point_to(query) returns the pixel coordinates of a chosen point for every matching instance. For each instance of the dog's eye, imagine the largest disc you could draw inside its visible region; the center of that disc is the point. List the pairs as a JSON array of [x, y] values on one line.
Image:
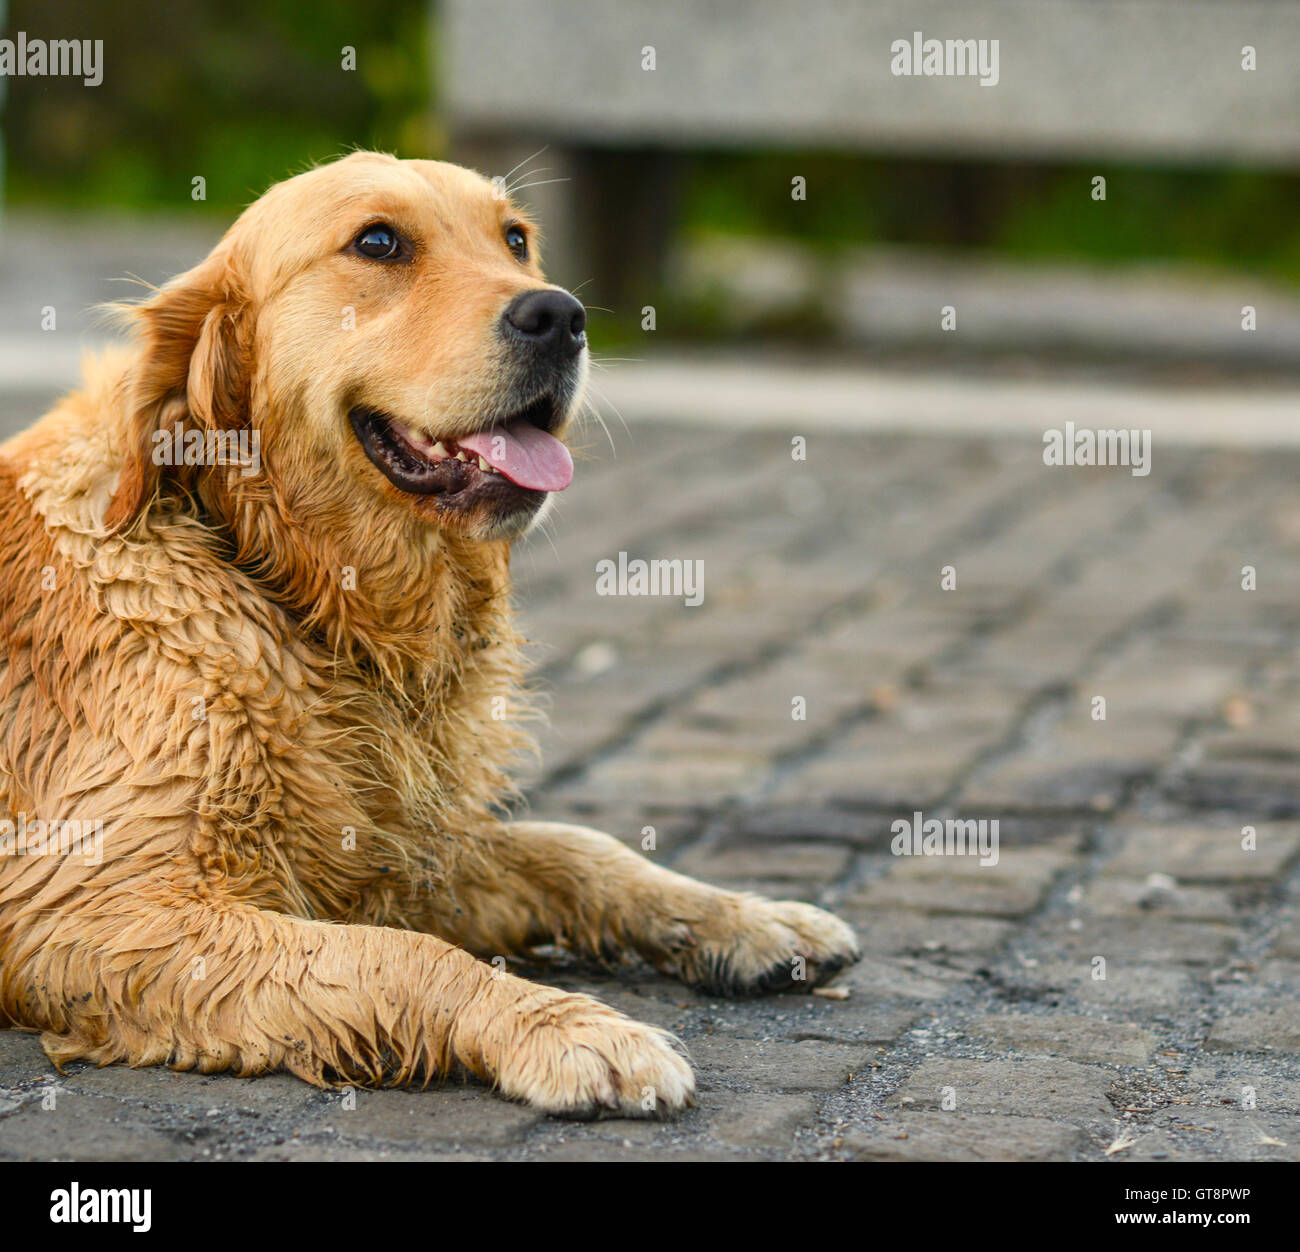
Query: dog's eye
[[378, 242], [517, 242]]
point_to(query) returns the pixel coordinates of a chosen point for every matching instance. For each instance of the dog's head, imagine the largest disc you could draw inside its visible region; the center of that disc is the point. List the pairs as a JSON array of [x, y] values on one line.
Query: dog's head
[[382, 327]]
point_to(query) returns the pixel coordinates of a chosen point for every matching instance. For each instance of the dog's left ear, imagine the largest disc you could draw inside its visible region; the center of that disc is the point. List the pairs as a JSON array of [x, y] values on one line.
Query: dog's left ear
[[193, 367]]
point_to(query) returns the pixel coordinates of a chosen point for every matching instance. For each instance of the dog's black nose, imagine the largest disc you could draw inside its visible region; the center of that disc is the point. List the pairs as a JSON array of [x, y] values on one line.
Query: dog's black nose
[[549, 320]]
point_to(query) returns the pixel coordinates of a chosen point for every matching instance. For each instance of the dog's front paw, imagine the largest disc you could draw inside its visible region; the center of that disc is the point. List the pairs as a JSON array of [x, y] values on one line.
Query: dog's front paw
[[752, 945], [572, 1056]]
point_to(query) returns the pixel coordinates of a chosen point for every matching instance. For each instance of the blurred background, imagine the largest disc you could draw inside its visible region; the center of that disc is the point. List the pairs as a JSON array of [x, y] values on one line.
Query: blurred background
[[742, 186]]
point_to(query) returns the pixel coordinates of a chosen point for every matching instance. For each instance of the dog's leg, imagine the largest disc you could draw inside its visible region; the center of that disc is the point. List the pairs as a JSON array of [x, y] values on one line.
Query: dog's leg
[[231, 987], [541, 880]]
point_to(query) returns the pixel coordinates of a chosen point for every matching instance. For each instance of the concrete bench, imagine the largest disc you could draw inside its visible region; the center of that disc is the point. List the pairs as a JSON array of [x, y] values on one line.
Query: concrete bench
[[1159, 80]]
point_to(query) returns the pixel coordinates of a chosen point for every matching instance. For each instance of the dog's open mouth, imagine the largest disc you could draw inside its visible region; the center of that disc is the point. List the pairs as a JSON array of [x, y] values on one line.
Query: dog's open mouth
[[519, 452]]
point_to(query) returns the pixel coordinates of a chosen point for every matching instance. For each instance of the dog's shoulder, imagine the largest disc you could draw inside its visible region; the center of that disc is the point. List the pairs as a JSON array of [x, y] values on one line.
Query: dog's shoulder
[[165, 588]]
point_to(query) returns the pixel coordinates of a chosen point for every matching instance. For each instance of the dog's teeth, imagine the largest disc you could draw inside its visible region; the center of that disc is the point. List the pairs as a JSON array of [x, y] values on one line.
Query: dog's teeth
[[439, 450], [460, 456], [483, 465]]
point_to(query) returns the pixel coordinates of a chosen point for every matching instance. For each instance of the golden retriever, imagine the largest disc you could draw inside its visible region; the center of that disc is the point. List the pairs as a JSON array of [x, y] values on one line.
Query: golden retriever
[[287, 693]]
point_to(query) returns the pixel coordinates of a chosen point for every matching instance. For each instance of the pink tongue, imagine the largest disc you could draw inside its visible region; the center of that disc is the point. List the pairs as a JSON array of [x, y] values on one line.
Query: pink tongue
[[529, 457]]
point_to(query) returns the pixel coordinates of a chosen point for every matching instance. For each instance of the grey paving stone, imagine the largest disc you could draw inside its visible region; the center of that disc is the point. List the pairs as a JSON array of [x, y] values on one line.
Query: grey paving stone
[[1240, 1084], [1272, 1029], [1200, 854], [1276, 976], [690, 779], [963, 1137], [904, 978], [84, 1128], [444, 1117], [859, 1019], [1153, 680], [817, 822], [1150, 941], [1081, 768], [1270, 731], [1012, 887], [21, 1058], [1257, 788], [761, 1120], [281, 1093], [897, 932], [1034, 866], [775, 1065], [879, 766], [1126, 985], [1088, 1039], [1287, 943], [1153, 897], [981, 897], [1199, 1134], [1025, 1088], [625, 1131]]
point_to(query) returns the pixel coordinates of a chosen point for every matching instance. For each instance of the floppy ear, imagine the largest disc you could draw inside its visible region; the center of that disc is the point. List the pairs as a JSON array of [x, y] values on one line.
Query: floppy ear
[[193, 367]]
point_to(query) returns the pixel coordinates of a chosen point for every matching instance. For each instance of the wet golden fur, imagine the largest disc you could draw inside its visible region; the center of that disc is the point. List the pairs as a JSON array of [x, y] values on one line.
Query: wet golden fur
[[276, 693]]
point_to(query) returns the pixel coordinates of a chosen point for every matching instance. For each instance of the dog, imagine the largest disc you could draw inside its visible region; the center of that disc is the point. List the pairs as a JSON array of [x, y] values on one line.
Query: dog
[[274, 693]]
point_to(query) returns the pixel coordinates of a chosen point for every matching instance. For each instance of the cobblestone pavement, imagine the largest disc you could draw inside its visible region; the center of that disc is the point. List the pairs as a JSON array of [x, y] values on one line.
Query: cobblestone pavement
[[978, 1025]]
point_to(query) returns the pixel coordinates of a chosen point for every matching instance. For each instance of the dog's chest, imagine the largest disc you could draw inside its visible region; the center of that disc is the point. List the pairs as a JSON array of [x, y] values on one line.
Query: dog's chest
[[368, 795], [296, 779]]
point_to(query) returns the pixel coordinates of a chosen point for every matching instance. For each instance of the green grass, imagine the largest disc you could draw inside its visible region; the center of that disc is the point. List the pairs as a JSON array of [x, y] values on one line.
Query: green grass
[[1225, 219]]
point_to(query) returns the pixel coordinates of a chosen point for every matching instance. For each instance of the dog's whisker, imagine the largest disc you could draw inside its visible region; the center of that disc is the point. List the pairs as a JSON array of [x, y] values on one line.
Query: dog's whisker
[[606, 400], [588, 409], [510, 188], [541, 182], [528, 173], [546, 526], [506, 176]]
